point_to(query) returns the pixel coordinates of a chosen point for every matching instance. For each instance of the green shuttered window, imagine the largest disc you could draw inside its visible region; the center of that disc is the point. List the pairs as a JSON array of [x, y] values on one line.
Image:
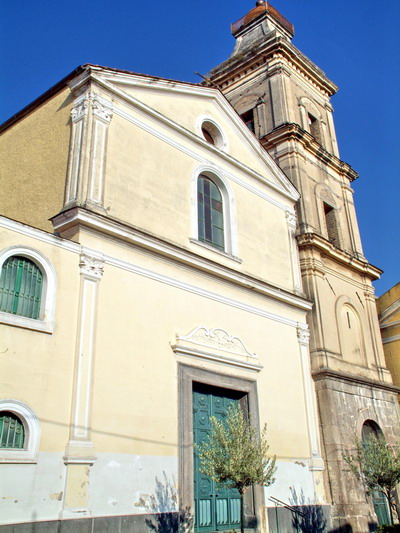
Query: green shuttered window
[[11, 431], [210, 213], [21, 285]]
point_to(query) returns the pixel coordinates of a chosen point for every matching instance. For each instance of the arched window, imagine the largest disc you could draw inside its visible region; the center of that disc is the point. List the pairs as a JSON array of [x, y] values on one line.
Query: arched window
[[27, 289], [21, 284], [19, 433], [212, 133], [12, 433], [210, 213], [371, 430]]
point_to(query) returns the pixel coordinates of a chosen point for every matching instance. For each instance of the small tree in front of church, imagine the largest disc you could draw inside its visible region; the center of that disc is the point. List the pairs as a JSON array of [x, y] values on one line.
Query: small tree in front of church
[[376, 464], [235, 454]]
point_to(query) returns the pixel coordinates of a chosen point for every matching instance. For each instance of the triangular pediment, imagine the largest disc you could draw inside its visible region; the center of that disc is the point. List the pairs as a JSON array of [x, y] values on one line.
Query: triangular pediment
[[184, 106]]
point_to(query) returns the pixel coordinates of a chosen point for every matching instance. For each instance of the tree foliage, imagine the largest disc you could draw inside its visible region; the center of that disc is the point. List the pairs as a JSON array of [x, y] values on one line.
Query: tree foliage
[[236, 455], [377, 464]]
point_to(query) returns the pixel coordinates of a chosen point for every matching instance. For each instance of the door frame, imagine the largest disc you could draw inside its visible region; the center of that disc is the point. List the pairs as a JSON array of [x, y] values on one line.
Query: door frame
[[187, 375]]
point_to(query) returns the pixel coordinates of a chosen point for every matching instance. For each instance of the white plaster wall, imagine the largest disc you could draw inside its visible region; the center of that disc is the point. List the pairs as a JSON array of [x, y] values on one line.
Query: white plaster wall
[[292, 479], [31, 492], [124, 484]]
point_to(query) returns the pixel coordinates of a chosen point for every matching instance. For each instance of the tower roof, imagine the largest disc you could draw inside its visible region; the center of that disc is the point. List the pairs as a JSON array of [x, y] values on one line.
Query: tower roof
[[262, 8]]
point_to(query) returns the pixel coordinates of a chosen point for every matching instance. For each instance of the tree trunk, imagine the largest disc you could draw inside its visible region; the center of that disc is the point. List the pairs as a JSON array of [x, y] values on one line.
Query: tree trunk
[[389, 499], [242, 517]]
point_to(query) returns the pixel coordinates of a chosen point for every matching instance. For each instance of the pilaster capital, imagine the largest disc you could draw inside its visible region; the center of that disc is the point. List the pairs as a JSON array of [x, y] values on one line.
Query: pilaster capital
[[291, 219], [303, 334], [80, 109], [102, 108], [92, 267]]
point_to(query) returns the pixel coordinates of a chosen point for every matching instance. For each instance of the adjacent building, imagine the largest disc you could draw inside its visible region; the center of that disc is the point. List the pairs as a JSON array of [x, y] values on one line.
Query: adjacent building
[[389, 320]]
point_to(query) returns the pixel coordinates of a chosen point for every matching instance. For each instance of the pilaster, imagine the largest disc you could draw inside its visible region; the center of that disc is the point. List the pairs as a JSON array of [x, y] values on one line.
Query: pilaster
[[90, 119], [277, 72], [294, 252], [80, 453], [303, 336]]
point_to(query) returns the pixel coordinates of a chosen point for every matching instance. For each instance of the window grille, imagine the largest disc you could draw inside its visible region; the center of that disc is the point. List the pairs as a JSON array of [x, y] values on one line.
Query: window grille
[[210, 213], [21, 285], [11, 431]]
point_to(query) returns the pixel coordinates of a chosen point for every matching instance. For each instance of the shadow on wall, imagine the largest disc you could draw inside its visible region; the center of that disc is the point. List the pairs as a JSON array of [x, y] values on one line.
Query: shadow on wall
[[312, 519], [161, 505], [346, 528]]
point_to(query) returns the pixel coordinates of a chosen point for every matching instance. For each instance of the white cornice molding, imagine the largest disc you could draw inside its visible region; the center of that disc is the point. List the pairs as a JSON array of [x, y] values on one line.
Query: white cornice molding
[[102, 79], [218, 346], [129, 235], [38, 234], [196, 156], [230, 361], [76, 217], [217, 339]]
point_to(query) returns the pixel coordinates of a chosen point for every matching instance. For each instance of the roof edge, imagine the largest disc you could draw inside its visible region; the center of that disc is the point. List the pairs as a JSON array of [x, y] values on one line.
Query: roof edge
[[42, 98]]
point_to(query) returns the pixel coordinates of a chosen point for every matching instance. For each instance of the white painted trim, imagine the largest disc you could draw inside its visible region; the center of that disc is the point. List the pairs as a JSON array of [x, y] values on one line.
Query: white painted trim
[[222, 359], [159, 247], [91, 270], [45, 322], [216, 339], [39, 234], [310, 400], [216, 250], [291, 220], [198, 291], [31, 429], [202, 264], [285, 186], [203, 160], [221, 140]]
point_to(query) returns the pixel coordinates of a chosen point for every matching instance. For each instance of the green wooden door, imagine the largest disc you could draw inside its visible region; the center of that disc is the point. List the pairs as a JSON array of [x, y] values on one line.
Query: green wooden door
[[216, 508], [381, 508]]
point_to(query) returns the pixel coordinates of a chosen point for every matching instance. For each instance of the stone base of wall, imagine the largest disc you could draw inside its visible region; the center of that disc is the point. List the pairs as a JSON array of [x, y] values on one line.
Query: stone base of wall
[[160, 523], [313, 519]]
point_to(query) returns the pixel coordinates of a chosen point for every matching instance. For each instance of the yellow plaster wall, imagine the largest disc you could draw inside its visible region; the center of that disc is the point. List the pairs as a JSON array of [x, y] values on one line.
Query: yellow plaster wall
[[149, 185], [136, 368], [36, 367], [187, 111], [34, 156], [392, 346]]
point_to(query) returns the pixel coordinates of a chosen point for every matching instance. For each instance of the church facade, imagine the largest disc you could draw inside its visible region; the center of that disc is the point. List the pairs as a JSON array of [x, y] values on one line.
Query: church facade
[[169, 263]]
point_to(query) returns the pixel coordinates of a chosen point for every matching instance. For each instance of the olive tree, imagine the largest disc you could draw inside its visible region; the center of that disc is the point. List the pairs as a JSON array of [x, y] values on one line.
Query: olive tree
[[235, 454], [377, 464]]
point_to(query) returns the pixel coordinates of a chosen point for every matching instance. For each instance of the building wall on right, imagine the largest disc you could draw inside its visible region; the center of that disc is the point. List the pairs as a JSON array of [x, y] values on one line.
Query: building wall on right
[[388, 306]]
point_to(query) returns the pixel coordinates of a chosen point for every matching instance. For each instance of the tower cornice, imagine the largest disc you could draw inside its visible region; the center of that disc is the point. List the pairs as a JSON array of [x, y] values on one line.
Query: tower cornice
[[239, 66], [293, 132], [313, 240]]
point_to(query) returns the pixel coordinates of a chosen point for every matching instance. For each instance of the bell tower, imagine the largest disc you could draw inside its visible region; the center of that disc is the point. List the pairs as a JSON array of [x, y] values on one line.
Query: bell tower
[[284, 98]]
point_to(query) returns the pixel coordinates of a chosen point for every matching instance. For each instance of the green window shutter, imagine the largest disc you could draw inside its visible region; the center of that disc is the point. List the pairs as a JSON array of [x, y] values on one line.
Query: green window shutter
[[11, 431], [21, 285], [210, 213]]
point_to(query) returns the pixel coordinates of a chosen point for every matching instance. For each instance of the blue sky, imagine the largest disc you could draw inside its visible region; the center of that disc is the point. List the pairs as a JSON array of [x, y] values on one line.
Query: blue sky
[[356, 43]]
